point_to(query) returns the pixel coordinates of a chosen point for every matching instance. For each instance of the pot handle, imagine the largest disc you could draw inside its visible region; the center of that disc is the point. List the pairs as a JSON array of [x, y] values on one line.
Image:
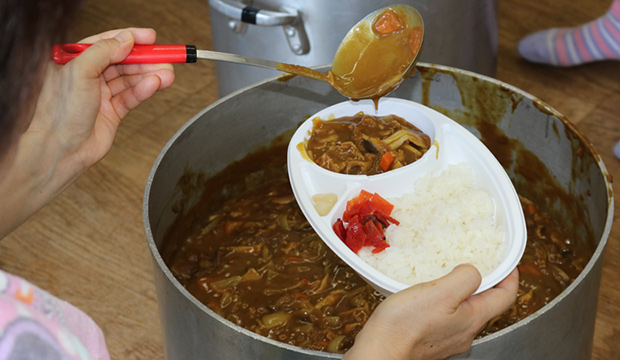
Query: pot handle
[[251, 15], [289, 18]]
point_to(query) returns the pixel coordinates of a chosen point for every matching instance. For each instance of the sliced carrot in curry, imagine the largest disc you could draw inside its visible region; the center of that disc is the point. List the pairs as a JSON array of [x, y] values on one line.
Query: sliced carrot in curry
[[529, 268], [415, 40], [386, 161], [387, 22], [213, 305], [300, 295]]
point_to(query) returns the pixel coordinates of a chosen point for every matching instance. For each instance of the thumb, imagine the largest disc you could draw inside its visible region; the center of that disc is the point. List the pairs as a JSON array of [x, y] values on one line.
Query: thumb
[[460, 284], [498, 299], [106, 52]]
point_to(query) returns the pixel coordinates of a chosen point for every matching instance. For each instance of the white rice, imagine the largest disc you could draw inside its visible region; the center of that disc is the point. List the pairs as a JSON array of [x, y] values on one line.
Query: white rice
[[445, 222]]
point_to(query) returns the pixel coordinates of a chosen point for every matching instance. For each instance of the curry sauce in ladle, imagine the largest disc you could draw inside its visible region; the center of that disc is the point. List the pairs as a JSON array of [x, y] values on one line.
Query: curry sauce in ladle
[[375, 56]]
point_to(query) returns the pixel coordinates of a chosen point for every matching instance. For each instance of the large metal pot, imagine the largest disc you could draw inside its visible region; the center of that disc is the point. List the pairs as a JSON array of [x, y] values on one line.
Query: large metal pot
[[548, 159], [462, 34]]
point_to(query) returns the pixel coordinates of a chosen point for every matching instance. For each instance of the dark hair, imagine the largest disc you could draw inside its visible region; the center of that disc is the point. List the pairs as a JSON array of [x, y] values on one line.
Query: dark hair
[[28, 29]]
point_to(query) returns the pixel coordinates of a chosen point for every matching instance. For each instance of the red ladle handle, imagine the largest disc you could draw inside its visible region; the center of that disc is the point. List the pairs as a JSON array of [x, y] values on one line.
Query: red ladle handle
[[140, 54]]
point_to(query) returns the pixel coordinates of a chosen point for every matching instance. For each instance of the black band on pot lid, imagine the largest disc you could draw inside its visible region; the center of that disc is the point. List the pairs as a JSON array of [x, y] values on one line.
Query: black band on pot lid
[[248, 14]]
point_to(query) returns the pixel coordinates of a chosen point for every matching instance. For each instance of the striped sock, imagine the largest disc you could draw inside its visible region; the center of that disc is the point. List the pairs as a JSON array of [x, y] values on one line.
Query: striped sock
[[594, 41], [617, 150]]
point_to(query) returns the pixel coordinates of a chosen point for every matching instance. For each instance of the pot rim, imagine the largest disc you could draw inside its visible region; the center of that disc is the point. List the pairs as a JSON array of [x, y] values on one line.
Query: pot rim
[[539, 103]]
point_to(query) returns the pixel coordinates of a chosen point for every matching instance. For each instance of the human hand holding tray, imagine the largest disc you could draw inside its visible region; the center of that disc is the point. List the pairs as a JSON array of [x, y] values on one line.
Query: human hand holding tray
[[451, 144]]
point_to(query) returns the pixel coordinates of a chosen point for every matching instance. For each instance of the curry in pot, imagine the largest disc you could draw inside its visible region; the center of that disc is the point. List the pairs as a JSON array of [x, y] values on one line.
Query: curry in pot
[[247, 252]]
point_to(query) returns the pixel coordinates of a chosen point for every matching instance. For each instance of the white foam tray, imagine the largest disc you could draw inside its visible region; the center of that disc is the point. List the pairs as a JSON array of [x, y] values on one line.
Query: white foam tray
[[455, 145]]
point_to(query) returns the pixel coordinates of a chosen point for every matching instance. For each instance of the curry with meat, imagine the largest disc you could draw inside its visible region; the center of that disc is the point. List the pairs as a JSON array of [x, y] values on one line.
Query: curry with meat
[[257, 262], [364, 144], [248, 253]]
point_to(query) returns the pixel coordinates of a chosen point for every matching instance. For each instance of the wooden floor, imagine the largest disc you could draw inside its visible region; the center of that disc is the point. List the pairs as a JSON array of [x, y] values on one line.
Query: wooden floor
[[89, 247]]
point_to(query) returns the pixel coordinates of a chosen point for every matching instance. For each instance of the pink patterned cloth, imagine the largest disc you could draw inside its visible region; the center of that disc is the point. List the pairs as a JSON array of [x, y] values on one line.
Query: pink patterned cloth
[[36, 325]]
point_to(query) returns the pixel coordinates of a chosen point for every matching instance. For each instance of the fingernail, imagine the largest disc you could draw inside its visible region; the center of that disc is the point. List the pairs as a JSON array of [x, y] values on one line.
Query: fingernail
[[123, 36]]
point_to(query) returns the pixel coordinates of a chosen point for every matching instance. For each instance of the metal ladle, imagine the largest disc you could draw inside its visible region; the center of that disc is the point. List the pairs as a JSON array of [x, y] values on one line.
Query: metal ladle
[[375, 56]]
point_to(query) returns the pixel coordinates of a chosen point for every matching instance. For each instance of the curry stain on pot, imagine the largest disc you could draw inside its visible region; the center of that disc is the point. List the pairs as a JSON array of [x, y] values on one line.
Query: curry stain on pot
[[485, 106], [579, 143]]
